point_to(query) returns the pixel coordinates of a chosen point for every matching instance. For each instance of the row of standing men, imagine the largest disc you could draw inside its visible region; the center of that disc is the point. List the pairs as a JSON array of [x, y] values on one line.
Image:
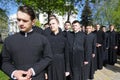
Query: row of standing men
[[76, 54], [89, 49]]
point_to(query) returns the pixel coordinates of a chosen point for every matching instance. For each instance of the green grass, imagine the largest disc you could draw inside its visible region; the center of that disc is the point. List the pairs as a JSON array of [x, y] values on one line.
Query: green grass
[[3, 76]]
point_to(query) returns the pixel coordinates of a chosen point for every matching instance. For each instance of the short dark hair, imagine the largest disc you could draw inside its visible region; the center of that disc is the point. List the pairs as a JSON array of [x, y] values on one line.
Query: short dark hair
[[111, 25], [68, 22], [55, 19], [103, 26], [52, 16], [28, 10], [76, 21], [46, 24]]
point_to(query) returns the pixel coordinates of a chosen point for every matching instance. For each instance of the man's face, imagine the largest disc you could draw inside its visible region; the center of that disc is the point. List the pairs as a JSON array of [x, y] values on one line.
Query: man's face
[[104, 29], [24, 21], [67, 26], [112, 27], [97, 27], [88, 29], [76, 27], [53, 25]]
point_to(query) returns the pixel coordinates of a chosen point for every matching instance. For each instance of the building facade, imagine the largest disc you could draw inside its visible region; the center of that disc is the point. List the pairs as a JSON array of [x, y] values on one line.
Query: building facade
[[43, 18]]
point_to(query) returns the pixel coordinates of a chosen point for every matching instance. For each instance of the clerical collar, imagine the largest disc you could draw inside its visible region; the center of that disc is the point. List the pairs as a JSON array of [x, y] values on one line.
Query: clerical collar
[[88, 33], [26, 33], [66, 30], [76, 31]]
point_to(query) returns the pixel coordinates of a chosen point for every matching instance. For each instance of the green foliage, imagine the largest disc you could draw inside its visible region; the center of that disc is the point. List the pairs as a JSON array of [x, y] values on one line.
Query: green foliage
[[37, 23], [86, 15], [108, 12], [50, 6], [3, 20], [43, 5]]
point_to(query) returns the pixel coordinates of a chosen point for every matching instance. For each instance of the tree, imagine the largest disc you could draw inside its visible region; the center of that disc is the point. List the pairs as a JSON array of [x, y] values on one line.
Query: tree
[[86, 17], [108, 12], [50, 6], [70, 7], [3, 20]]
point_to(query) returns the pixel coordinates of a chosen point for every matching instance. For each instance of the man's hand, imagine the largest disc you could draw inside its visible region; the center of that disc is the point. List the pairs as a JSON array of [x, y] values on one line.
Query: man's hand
[[20, 75], [67, 73], [116, 47], [29, 73], [46, 76], [93, 55], [85, 62], [98, 45]]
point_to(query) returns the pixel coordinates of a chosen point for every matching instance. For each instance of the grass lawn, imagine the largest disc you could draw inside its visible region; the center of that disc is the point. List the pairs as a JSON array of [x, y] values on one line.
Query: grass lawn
[[2, 75]]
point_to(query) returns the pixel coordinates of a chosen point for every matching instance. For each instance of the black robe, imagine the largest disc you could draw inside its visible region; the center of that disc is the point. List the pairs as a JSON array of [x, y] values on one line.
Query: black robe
[[47, 31], [105, 49], [112, 56], [77, 54], [37, 29], [66, 33], [99, 50], [26, 50], [90, 48], [60, 62], [118, 51]]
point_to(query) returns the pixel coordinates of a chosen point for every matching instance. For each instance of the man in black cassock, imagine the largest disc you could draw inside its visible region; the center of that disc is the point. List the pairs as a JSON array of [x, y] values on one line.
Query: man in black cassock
[[60, 63], [27, 53], [112, 36], [118, 51], [67, 30], [90, 48], [99, 46], [47, 30], [67, 27], [76, 41], [105, 46]]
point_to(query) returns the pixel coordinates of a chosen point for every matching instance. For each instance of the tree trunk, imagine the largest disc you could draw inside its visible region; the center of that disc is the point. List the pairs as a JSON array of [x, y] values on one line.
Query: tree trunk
[[69, 13], [49, 13]]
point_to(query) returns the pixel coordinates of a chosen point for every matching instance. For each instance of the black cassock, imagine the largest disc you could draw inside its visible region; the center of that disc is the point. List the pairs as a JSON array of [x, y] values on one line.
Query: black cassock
[[90, 49], [77, 54], [37, 29], [112, 56], [65, 33], [26, 50], [118, 51], [60, 62], [100, 37], [105, 49], [47, 31]]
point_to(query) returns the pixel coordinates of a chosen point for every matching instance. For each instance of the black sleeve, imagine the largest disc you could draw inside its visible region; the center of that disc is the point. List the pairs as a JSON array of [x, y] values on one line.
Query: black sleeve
[[7, 65], [85, 50], [45, 61], [94, 45], [116, 39], [67, 57]]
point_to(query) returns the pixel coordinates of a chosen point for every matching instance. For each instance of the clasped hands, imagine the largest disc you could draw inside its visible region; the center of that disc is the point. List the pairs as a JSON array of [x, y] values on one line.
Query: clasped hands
[[23, 75]]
